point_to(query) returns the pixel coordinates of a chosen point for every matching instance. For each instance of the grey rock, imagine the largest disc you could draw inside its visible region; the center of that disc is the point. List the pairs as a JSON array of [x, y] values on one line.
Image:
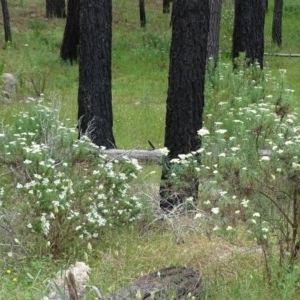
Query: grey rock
[[9, 84]]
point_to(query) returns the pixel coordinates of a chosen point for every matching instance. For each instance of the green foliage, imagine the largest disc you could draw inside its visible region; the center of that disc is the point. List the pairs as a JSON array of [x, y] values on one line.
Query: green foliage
[[72, 189], [250, 165], [238, 192]]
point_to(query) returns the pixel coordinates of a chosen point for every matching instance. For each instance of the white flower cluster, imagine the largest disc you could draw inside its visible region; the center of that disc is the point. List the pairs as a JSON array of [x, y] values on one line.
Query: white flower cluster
[[67, 182]]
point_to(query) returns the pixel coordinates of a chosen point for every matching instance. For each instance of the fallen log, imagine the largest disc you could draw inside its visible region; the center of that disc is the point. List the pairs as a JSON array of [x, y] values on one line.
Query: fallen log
[[153, 156], [282, 54]]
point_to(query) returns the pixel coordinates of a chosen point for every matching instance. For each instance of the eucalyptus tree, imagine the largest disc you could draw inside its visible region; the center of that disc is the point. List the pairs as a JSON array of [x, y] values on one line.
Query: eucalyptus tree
[[70, 42], [248, 32], [185, 100], [6, 21], [95, 117]]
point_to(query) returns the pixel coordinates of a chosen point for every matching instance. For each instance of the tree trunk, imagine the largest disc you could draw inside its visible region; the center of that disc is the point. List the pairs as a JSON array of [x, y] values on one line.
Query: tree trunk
[[69, 47], [142, 13], [166, 6], [95, 118], [185, 101], [238, 40], [214, 30], [248, 33], [6, 21], [277, 22], [55, 8]]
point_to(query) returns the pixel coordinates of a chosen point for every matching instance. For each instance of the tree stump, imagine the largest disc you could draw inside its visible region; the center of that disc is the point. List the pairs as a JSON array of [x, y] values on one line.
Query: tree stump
[[166, 284]]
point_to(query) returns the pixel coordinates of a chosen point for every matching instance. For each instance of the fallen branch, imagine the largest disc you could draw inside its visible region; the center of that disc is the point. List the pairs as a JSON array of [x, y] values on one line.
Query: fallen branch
[[151, 156], [282, 54], [141, 155]]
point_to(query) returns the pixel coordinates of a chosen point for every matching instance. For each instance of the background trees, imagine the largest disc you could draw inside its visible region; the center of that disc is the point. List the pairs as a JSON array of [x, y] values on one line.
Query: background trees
[[166, 6], [185, 101], [6, 21], [248, 33], [55, 8], [277, 20], [142, 13], [70, 42], [94, 94]]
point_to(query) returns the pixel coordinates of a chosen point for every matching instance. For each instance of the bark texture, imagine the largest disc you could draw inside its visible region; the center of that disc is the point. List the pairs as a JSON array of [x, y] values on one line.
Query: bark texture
[[70, 43], [214, 30], [248, 32], [95, 118], [6, 21], [277, 22], [185, 101]]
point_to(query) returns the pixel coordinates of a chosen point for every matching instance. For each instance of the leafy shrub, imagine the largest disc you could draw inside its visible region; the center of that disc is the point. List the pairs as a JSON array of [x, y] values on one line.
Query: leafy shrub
[[250, 166], [65, 188]]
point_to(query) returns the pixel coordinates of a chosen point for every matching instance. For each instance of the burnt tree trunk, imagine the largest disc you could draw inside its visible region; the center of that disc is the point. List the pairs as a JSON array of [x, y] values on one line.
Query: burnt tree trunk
[[69, 47], [214, 30], [277, 22], [6, 21], [239, 32], [95, 118], [166, 6], [248, 32], [185, 101], [142, 13], [55, 8]]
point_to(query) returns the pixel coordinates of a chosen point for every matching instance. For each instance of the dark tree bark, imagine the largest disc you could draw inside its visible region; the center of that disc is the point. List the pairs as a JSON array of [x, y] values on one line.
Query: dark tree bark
[[69, 47], [95, 118], [6, 21], [277, 22], [214, 30], [55, 8], [248, 32], [185, 101], [142, 13]]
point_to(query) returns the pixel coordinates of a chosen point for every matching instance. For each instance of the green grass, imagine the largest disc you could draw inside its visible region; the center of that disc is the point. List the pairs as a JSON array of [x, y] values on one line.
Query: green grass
[[140, 75]]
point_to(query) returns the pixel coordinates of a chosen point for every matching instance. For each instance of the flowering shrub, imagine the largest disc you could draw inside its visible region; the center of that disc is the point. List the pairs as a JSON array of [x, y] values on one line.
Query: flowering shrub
[[251, 160], [69, 188], [250, 165]]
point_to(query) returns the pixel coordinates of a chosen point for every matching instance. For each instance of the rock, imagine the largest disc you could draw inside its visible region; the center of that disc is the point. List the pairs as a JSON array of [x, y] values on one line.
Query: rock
[[171, 283], [9, 85], [69, 284]]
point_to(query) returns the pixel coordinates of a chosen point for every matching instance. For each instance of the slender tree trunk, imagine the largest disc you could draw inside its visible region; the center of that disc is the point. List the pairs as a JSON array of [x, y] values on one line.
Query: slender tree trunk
[[248, 33], [277, 22], [214, 30], [95, 118], [142, 13], [55, 8], [6, 21], [69, 47], [166, 6], [185, 101]]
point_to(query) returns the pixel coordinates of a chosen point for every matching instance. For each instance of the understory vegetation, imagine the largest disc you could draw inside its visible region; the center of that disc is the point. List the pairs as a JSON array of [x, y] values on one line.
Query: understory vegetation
[[63, 200]]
